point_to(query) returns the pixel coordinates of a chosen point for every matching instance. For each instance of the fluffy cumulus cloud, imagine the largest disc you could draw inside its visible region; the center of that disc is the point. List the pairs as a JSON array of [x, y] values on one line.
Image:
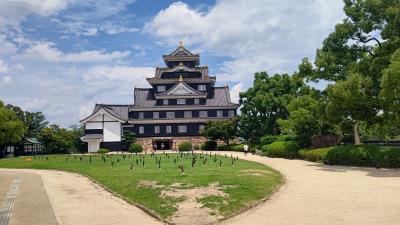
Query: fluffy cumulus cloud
[[255, 35]]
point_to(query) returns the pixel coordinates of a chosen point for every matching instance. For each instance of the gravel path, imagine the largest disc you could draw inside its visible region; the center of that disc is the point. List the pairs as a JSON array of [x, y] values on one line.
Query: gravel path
[[313, 194], [327, 195]]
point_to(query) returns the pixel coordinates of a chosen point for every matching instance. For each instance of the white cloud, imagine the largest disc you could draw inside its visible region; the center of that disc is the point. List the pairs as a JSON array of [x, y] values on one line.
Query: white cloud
[[86, 109], [13, 12], [256, 35], [6, 79], [234, 92], [3, 67], [112, 29], [47, 52], [36, 104]]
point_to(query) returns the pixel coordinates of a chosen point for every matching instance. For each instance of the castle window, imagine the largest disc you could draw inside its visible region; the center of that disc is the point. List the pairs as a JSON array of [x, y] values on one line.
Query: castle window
[[201, 87], [220, 113], [188, 114], [170, 115], [231, 113], [156, 115], [157, 129], [203, 114], [168, 129], [141, 130], [141, 115], [181, 101], [182, 129], [165, 101], [196, 101], [160, 88]]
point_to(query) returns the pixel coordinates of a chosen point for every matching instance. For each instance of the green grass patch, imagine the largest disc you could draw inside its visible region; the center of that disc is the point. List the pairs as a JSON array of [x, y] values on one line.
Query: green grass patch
[[122, 174]]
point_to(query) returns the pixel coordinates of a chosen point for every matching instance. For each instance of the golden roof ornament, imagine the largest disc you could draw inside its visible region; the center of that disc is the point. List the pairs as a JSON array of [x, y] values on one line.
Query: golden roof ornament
[[180, 78], [181, 43]]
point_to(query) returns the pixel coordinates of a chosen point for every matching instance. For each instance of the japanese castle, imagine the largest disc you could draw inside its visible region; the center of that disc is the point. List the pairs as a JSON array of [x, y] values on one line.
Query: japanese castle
[[182, 98]]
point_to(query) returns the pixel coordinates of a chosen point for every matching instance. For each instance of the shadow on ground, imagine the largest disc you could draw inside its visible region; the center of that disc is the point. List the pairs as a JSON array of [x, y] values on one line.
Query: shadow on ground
[[373, 172]]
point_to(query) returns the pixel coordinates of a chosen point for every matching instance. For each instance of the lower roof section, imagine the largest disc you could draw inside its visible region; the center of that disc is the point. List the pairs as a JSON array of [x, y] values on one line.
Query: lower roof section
[[184, 107]]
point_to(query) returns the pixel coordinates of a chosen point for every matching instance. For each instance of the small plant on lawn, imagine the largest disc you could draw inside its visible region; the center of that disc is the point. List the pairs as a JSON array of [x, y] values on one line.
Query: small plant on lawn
[[185, 146], [103, 151], [136, 148]]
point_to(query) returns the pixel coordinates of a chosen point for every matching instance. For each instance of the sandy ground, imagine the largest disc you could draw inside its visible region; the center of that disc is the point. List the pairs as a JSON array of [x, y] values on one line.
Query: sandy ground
[[313, 194], [327, 195]]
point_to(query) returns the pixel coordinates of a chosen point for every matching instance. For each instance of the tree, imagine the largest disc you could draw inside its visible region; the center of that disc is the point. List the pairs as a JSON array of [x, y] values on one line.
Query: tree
[[223, 130], [351, 100], [57, 140], [390, 85], [306, 119], [128, 138], [34, 121], [11, 128], [266, 102]]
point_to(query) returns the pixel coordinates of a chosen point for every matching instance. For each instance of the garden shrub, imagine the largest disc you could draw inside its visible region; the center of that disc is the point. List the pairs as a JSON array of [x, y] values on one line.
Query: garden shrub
[[364, 155], [209, 145], [269, 139], [103, 151], [313, 155], [196, 147], [231, 147], [185, 146], [136, 148], [282, 149]]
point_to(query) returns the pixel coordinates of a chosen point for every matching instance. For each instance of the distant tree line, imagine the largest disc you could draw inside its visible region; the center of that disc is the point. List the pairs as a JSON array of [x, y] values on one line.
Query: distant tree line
[[17, 124]]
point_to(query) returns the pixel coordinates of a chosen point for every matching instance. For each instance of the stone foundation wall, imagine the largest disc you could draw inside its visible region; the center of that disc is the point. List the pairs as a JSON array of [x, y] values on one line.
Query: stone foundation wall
[[147, 143]]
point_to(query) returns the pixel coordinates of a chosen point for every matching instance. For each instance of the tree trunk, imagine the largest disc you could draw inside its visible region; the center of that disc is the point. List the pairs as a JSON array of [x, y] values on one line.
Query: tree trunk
[[356, 134]]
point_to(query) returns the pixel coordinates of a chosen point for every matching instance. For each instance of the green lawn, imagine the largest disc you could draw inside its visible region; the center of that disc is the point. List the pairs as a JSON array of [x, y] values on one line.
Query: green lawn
[[243, 187]]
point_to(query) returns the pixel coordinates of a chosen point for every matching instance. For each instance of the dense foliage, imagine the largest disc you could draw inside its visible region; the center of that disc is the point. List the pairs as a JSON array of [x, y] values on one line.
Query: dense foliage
[[103, 151], [185, 146], [209, 145], [11, 128], [313, 155], [223, 130], [135, 147], [231, 147], [281, 149], [364, 155]]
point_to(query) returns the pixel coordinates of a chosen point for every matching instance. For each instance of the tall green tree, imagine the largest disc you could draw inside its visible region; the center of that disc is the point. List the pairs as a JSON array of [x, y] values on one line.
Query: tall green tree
[[34, 121], [223, 130], [128, 138], [11, 128], [266, 102], [351, 100], [58, 140]]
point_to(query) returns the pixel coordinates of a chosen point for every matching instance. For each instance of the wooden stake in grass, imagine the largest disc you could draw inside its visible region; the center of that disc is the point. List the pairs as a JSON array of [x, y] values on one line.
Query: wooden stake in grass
[[182, 169], [131, 166], [143, 162], [204, 162], [193, 161], [112, 164], [81, 159], [159, 164], [220, 163]]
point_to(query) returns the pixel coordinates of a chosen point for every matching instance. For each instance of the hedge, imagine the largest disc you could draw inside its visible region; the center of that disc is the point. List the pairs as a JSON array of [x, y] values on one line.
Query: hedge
[[269, 139], [313, 155], [103, 151], [231, 147], [281, 149], [364, 155], [185, 146], [209, 145], [135, 148]]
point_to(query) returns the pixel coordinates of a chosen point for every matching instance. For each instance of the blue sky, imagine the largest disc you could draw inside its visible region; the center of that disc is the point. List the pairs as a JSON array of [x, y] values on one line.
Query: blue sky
[[63, 56]]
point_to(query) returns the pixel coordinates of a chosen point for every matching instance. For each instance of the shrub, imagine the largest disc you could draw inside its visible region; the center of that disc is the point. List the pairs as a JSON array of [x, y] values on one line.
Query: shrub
[[313, 155], [185, 146], [231, 147], [269, 139], [196, 147], [389, 157], [364, 155], [136, 148], [282, 149], [103, 151], [209, 145]]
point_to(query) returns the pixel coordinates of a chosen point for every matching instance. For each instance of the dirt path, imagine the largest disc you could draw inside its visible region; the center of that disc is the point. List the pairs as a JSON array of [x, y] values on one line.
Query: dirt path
[[327, 195], [78, 201]]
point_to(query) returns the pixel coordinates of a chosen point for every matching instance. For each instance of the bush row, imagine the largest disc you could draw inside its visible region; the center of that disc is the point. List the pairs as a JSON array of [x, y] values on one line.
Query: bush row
[[231, 147], [313, 155], [364, 155], [281, 149]]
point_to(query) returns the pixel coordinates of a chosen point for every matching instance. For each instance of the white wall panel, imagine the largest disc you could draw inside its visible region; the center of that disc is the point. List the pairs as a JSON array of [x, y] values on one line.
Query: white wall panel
[[97, 125], [112, 131]]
